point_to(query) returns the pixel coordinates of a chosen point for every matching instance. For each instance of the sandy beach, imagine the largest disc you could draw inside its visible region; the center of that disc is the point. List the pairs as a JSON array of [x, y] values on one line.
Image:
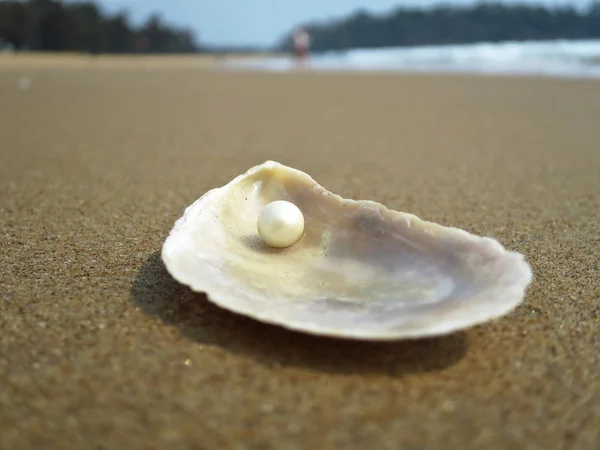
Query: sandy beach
[[101, 349]]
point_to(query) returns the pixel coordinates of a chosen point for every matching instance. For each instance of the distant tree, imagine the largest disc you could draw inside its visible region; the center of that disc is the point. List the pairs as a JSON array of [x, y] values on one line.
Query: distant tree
[[154, 31], [119, 35], [444, 24], [16, 23], [54, 25], [89, 34]]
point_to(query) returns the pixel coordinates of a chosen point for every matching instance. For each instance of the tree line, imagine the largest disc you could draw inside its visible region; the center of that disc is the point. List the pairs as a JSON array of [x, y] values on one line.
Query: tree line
[[443, 24], [54, 25]]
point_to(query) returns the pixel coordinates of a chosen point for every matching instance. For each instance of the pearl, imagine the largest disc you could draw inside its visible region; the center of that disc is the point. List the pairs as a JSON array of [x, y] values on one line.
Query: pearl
[[280, 224]]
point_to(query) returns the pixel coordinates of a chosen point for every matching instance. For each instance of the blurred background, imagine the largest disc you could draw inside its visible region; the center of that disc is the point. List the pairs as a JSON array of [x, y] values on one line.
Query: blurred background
[[508, 36]]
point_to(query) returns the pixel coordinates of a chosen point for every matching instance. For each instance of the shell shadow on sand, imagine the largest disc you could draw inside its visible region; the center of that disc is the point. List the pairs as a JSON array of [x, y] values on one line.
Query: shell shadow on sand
[[157, 294]]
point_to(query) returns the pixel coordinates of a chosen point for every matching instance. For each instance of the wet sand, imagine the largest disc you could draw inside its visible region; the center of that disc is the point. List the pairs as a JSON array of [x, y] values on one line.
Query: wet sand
[[101, 349]]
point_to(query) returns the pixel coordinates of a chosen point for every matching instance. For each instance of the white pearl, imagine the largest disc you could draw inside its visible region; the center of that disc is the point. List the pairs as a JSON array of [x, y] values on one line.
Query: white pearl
[[280, 224]]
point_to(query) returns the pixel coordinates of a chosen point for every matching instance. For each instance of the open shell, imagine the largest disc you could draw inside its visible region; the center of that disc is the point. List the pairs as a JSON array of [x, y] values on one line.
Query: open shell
[[360, 270]]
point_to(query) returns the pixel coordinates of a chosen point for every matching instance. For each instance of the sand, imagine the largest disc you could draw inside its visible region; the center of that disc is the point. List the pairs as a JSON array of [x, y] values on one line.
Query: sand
[[101, 349]]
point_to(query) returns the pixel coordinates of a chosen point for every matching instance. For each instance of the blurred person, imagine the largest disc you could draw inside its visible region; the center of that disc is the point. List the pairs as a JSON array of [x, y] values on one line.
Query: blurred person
[[301, 42]]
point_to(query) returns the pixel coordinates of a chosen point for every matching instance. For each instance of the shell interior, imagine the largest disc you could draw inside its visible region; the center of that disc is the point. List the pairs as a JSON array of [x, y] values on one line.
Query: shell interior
[[360, 270]]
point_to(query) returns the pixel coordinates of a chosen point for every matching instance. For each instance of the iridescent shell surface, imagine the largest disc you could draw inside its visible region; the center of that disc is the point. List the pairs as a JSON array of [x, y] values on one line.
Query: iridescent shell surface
[[359, 271]]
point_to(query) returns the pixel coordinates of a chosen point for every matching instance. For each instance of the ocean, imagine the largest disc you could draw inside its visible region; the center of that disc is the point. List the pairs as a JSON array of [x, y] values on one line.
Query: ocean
[[548, 58]]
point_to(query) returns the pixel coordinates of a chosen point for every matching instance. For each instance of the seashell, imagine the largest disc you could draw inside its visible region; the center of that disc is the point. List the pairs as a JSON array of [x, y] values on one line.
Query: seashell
[[360, 270]]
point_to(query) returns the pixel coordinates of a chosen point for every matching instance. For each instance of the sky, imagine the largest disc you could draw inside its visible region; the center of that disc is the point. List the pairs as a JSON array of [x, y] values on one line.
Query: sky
[[264, 22]]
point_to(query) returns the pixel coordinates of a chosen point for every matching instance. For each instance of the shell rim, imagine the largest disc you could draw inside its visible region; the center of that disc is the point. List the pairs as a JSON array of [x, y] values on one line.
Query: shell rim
[[518, 285]]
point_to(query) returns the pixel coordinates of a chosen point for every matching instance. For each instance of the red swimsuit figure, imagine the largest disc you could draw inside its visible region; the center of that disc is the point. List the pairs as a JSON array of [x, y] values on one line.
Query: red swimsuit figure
[[301, 46]]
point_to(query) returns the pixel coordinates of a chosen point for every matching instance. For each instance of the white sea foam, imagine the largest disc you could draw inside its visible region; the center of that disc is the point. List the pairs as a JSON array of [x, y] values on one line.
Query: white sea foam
[[553, 58]]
